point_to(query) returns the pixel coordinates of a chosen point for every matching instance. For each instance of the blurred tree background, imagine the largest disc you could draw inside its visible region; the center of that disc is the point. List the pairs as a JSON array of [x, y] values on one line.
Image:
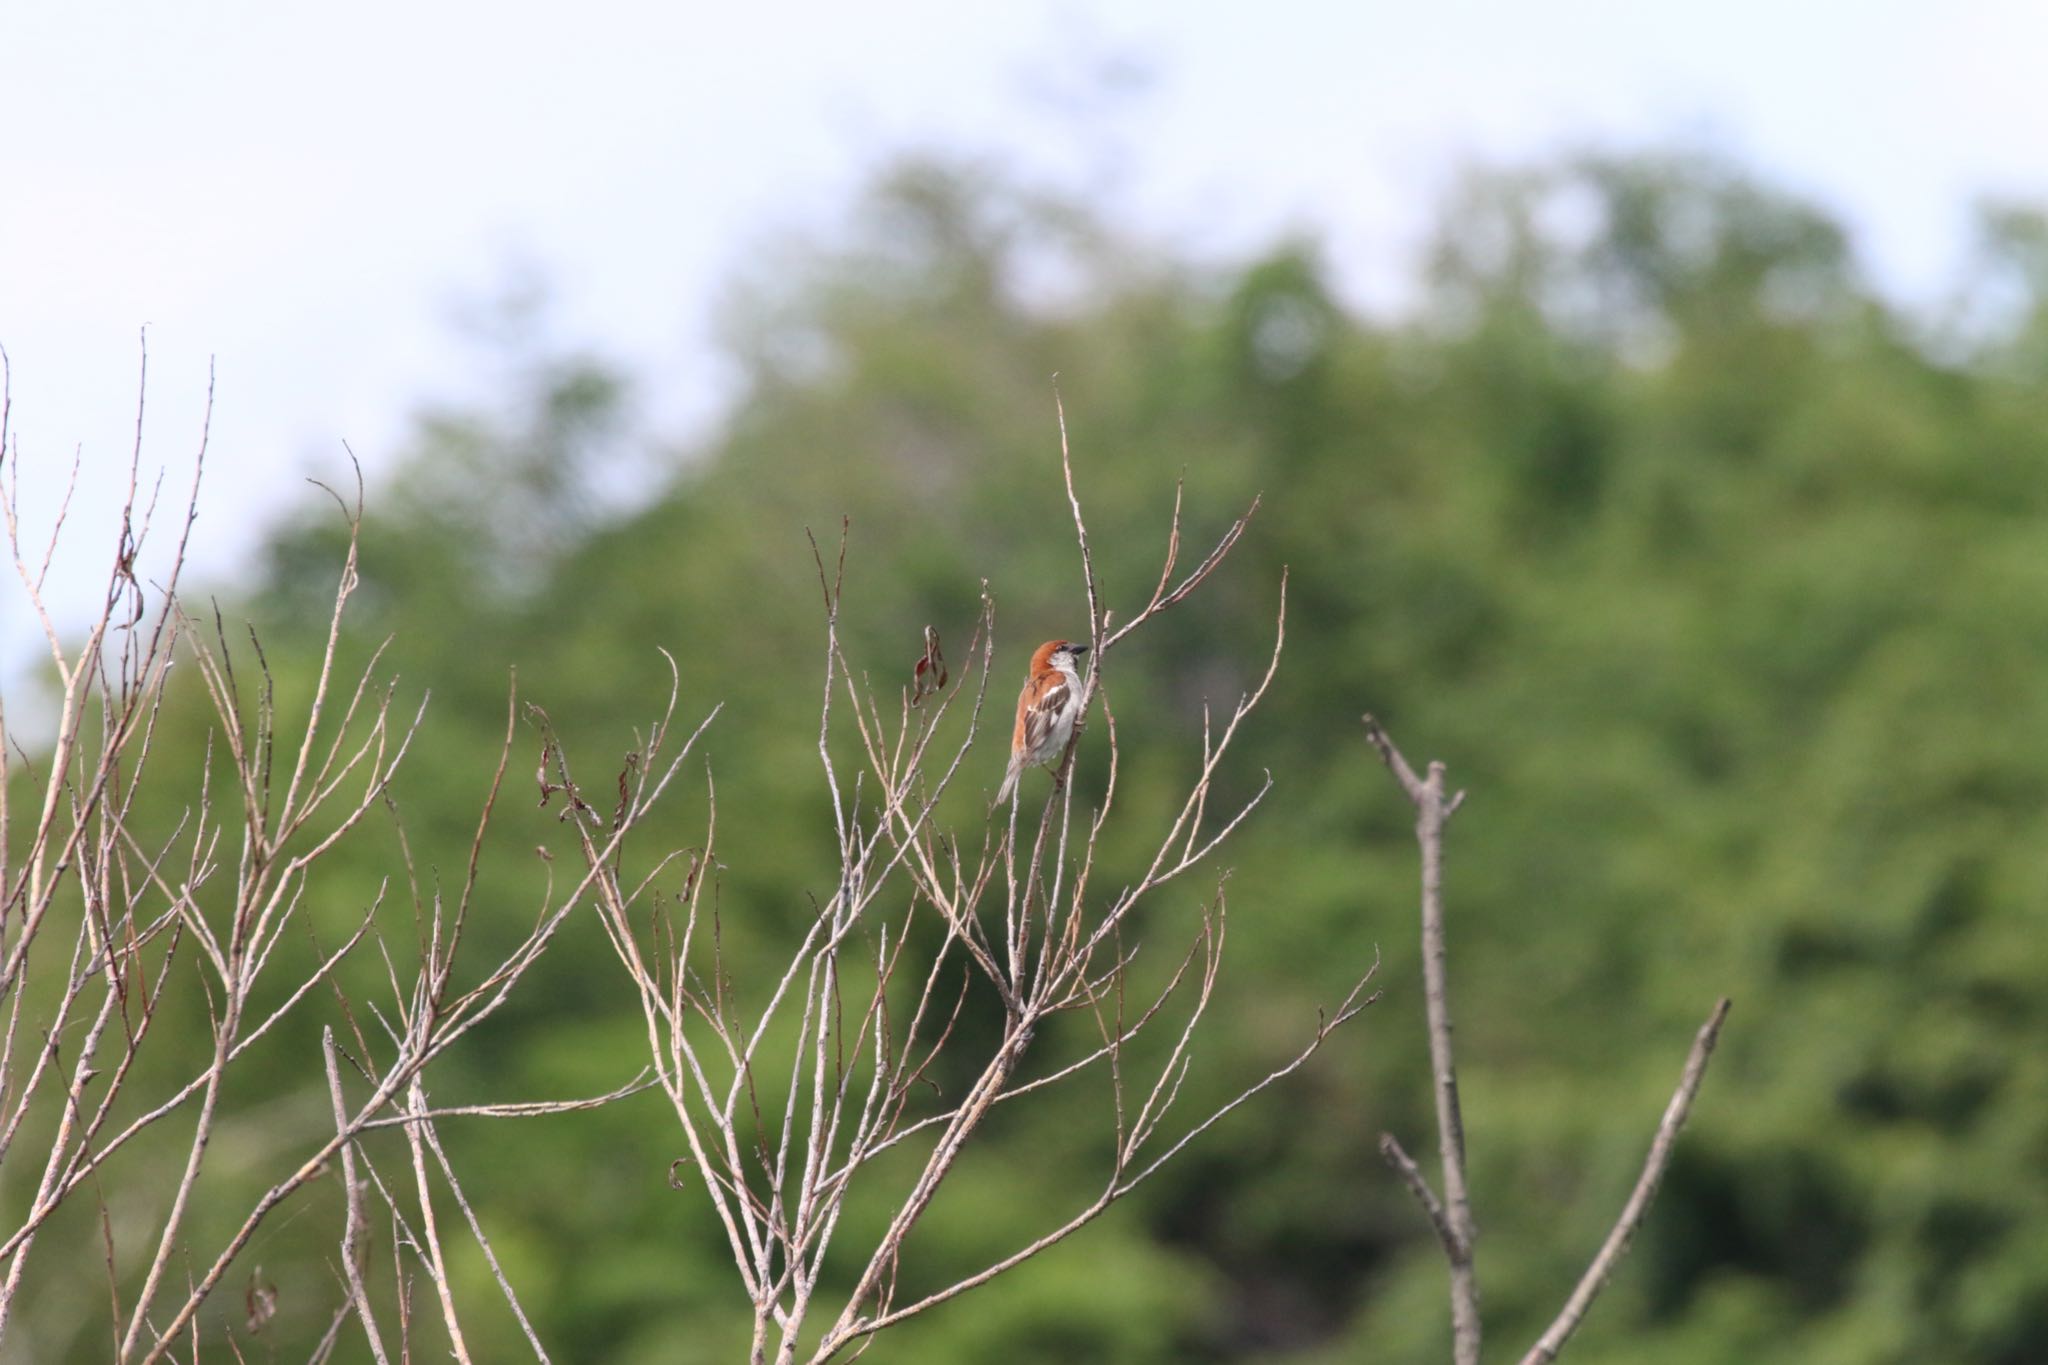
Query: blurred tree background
[[1717, 578]]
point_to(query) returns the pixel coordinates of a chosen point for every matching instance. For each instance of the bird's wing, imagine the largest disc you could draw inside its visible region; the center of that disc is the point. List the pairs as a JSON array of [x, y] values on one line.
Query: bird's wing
[[1040, 715]]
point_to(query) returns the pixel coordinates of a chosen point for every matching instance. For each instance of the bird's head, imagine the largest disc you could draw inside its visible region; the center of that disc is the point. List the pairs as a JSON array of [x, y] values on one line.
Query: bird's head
[[1060, 654]]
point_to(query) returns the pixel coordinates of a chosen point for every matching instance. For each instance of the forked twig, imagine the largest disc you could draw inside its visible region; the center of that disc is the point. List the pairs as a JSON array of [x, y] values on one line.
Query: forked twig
[[1453, 1219]]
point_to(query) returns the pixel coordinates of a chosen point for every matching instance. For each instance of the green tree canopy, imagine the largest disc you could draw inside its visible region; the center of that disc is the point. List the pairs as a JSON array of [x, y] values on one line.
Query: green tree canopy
[[1714, 575]]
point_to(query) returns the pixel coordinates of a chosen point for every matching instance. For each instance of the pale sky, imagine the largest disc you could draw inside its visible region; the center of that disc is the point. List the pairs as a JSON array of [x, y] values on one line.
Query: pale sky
[[303, 193]]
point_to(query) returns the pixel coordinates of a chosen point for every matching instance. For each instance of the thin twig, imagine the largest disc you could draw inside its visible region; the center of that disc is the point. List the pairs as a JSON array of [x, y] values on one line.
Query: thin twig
[[1418, 1185], [353, 1254], [1638, 1207]]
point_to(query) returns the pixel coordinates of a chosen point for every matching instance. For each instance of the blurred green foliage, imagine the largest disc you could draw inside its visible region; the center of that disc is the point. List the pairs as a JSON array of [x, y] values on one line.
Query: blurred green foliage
[[1716, 578]]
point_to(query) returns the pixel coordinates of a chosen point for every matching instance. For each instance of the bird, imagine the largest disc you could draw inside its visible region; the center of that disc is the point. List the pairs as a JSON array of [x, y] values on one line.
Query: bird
[[1046, 711]]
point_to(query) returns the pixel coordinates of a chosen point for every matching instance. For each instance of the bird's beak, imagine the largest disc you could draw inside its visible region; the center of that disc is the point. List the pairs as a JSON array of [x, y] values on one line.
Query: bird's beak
[[1078, 649]]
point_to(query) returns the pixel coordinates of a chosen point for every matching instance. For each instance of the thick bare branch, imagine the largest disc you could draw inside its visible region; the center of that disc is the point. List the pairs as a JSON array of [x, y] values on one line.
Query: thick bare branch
[[1454, 1217]]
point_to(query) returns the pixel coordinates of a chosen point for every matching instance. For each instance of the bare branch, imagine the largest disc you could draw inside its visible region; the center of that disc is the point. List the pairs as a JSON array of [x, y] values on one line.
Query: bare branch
[[352, 1251], [483, 1243], [437, 1263], [1638, 1207], [1454, 1220], [1418, 1185]]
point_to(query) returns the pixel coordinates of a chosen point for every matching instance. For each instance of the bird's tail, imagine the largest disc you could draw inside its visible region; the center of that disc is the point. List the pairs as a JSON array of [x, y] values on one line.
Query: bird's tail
[[1009, 782]]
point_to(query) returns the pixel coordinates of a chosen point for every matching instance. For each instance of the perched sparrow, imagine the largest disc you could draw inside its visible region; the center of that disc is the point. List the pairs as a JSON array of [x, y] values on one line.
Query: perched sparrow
[[1046, 711]]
